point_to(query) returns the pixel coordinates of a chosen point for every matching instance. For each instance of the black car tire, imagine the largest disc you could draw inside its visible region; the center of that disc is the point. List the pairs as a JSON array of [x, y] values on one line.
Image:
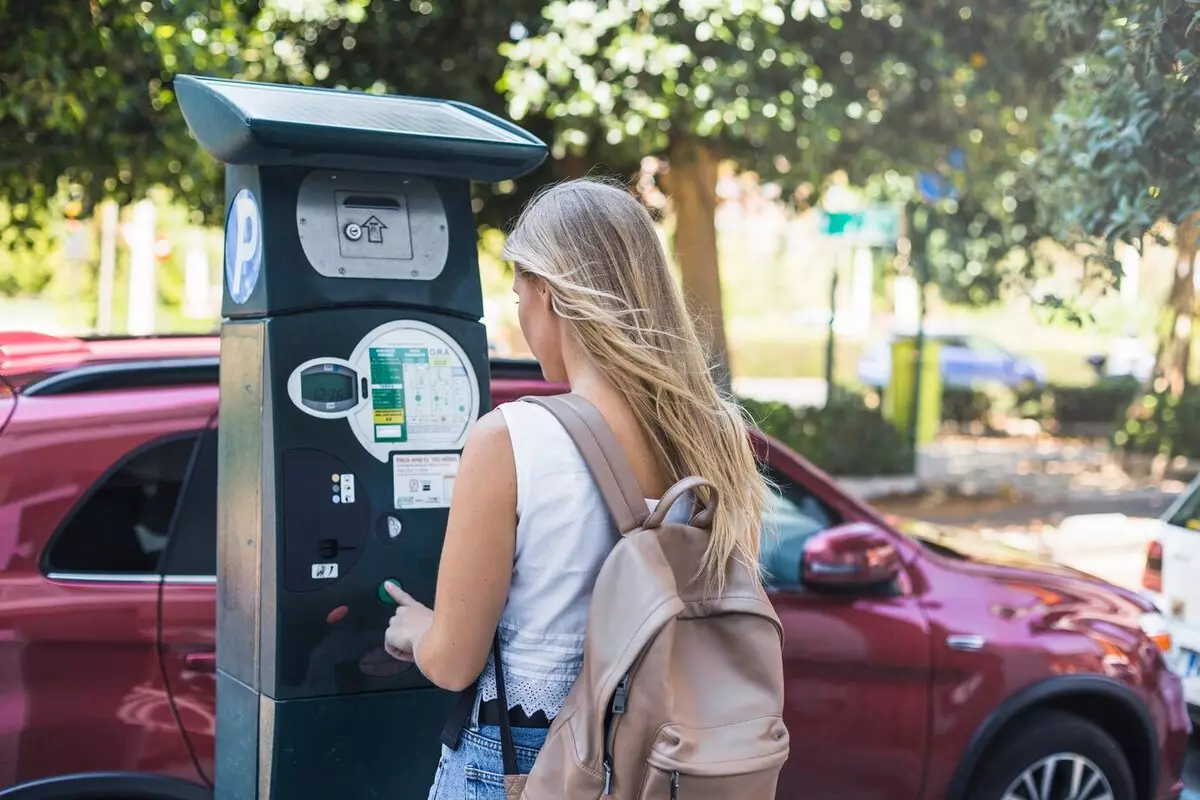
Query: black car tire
[[1045, 734]]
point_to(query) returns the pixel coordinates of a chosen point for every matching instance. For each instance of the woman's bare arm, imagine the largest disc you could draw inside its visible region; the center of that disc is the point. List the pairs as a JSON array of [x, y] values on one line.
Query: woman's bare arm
[[477, 559]]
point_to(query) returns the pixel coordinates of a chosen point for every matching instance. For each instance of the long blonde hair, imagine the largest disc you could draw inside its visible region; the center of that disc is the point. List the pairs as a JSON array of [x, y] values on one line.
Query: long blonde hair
[[598, 252]]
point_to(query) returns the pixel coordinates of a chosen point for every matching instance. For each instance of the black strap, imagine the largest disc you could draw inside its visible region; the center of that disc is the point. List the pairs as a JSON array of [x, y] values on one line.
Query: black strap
[[452, 732], [507, 749]]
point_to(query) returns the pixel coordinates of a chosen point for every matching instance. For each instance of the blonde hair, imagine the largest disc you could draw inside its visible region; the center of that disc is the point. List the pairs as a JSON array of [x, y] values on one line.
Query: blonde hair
[[597, 251]]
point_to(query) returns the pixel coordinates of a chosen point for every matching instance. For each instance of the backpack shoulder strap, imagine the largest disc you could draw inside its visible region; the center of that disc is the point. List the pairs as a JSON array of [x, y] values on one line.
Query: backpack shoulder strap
[[602, 453]]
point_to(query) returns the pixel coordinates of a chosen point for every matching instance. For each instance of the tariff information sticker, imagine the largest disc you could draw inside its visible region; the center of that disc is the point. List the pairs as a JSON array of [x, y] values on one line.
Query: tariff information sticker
[[421, 394], [387, 393], [425, 481], [418, 394]]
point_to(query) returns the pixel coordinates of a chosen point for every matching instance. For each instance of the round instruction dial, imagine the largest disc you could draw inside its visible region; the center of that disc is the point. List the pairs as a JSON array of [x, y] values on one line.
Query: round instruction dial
[[422, 392]]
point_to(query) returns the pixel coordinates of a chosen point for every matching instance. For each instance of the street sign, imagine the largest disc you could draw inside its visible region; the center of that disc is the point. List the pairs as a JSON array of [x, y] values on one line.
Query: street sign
[[877, 226]]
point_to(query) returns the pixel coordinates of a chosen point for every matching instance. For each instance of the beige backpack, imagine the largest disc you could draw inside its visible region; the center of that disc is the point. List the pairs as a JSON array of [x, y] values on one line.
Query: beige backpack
[[681, 692]]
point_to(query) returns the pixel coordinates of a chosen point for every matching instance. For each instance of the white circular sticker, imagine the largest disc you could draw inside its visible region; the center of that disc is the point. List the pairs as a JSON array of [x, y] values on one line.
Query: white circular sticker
[[422, 390], [243, 246]]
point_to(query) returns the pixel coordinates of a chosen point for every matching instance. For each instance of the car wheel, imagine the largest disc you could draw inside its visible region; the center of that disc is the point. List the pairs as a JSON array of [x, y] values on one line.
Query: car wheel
[[1055, 756]]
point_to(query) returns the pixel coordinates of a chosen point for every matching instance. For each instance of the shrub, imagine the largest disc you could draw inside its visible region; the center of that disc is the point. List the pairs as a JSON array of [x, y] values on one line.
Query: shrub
[[1105, 401], [1063, 409], [1162, 425], [965, 406], [1078, 409], [846, 437]]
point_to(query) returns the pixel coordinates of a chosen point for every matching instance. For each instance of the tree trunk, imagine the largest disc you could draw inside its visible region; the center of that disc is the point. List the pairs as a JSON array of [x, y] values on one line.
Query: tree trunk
[[1175, 338], [692, 186]]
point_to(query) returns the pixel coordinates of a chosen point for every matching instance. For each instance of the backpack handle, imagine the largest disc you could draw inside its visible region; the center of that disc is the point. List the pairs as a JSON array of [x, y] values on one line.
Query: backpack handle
[[702, 518], [603, 455]]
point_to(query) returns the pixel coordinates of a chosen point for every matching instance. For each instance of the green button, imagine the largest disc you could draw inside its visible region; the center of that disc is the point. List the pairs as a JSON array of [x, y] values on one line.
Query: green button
[[384, 597]]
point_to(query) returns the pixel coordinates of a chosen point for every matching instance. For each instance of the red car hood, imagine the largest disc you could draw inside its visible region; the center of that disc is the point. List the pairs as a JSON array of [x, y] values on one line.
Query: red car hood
[[1007, 563]]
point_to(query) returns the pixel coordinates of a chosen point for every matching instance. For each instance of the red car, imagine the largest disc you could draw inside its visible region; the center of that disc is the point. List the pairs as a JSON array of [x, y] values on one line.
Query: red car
[[921, 662]]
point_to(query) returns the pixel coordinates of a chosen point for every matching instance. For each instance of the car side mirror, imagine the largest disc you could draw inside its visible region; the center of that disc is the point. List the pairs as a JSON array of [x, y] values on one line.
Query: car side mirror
[[858, 555]]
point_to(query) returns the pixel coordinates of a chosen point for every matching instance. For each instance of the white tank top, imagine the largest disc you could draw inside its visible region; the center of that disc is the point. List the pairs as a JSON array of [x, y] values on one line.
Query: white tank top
[[564, 534]]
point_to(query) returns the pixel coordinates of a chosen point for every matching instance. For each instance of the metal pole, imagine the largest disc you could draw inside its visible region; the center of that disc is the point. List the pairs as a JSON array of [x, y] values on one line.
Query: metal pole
[[109, 220], [920, 266], [830, 339]]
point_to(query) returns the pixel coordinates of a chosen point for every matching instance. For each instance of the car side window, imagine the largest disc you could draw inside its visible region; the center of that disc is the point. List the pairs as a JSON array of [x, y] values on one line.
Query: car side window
[[792, 516], [192, 551], [122, 526], [1187, 515]]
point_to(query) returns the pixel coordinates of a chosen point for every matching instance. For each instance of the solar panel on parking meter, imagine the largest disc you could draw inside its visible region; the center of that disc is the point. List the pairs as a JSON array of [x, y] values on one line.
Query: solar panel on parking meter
[[353, 361]]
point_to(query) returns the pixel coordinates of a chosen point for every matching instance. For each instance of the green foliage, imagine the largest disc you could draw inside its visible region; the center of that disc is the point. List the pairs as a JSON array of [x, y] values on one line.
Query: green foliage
[[797, 91], [967, 111], [967, 407], [846, 437], [87, 110], [1159, 424], [31, 269], [1068, 408], [26, 274], [1121, 155], [630, 75]]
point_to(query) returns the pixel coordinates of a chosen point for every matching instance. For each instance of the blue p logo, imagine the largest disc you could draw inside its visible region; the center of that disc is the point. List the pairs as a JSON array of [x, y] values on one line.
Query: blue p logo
[[243, 246]]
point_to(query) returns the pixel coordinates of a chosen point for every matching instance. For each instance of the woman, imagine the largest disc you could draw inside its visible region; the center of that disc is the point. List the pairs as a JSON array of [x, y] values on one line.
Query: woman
[[528, 530]]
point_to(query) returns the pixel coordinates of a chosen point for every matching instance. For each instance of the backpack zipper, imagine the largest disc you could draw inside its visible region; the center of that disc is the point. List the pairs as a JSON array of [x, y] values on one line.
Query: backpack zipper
[[621, 695], [675, 785], [617, 707]]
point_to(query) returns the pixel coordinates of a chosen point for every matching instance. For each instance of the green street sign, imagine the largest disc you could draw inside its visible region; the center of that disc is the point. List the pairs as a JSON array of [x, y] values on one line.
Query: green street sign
[[878, 226]]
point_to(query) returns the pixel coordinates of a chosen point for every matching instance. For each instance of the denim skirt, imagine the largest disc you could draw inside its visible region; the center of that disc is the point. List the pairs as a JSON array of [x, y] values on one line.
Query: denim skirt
[[475, 771]]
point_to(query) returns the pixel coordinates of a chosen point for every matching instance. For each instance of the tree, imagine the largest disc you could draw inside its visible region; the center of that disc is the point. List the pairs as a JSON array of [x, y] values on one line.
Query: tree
[[87, 107], [966, 92], [795, 92], [691, 82], [1121, 161]]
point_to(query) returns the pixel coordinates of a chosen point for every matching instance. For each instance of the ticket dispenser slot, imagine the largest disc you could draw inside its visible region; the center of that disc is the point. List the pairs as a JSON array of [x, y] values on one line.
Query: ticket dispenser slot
[[353, 362]]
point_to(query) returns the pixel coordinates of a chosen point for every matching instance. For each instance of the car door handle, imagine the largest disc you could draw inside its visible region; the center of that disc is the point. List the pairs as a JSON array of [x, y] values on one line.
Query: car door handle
[[965, 642], [201, 662]]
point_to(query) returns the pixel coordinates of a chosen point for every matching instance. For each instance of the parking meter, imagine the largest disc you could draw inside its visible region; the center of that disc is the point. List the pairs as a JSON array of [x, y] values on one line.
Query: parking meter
[[353, 361]]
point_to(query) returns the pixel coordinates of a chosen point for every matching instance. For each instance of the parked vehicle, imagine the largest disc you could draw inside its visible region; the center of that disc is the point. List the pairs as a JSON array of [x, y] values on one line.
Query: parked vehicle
[[1127, 357], [921, 662], [1172, 580], [966, 361]]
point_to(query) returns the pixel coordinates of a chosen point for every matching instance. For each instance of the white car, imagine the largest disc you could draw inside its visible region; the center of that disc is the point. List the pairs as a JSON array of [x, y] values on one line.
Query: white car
[[1172, 580]]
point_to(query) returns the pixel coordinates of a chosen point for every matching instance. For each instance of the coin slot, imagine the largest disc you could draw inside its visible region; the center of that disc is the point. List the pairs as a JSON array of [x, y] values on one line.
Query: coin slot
[[371, 201]]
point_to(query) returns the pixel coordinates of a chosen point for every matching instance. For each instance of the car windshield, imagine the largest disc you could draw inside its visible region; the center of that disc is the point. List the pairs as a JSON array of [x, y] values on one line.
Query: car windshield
[[1186, 512], [963, 544]]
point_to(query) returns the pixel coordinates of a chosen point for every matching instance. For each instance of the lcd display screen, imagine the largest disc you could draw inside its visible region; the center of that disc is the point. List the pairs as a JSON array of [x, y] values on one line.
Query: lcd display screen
[[322, 386]]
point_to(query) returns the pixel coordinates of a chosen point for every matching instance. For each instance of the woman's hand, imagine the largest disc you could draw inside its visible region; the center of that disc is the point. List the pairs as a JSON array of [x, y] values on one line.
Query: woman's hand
[[408, 625]]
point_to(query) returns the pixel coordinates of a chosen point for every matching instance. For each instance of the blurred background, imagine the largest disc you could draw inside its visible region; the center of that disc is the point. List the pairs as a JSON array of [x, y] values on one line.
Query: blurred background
[[945, 249], [1003, 192]]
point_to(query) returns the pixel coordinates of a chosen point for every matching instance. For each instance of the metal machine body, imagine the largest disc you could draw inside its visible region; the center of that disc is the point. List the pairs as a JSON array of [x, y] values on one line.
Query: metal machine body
[[353, 361]]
